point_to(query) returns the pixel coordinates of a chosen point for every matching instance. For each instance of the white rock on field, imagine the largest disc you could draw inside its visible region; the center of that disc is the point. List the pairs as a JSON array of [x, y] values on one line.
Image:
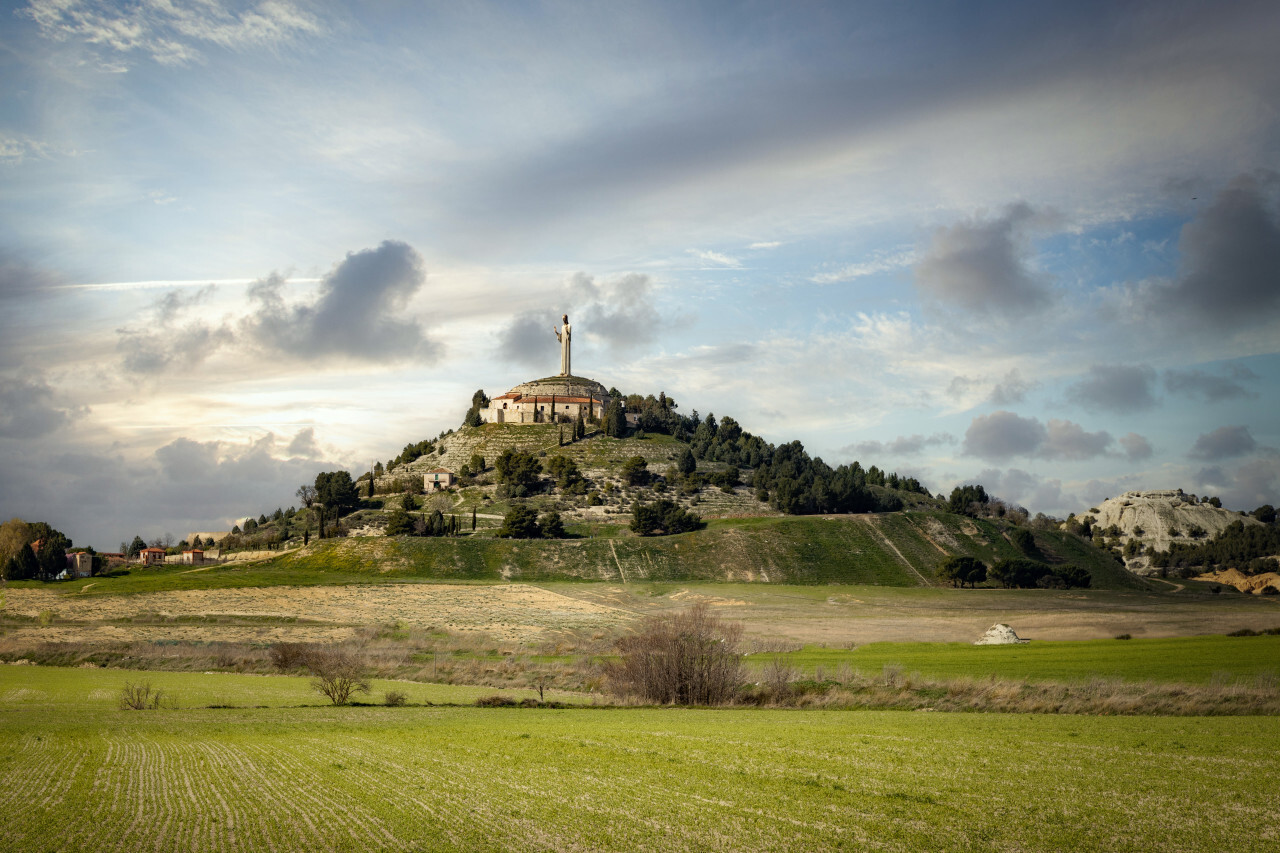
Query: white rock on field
[[999, 635]]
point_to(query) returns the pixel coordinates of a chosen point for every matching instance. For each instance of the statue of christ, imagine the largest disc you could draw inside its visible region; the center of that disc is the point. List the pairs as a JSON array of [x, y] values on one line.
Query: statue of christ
[[562, 335]]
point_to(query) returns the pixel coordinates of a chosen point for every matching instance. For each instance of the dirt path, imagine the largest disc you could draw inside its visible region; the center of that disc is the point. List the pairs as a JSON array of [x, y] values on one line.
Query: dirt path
[[889, 544]]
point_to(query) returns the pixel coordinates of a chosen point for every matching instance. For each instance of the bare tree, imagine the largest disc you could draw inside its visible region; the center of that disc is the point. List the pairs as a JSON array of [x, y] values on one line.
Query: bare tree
[[306, 494], [338, 673], [689, 658], [140, 697]]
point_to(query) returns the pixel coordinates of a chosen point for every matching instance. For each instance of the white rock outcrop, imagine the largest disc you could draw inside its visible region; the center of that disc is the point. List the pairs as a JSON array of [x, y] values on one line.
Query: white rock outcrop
[[999, 635], [1157, 519]]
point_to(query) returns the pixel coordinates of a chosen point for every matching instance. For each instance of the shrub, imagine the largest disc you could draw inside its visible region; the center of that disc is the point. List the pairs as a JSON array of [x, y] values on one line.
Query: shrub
[[689, 658], [288, 657], [496, 701], [394, 699], [338, 673], [140, 697], [663, 516], [1124, 636]]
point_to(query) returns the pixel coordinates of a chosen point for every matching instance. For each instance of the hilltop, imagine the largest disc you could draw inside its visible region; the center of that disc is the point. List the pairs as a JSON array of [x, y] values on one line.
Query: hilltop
[[1138, 524]]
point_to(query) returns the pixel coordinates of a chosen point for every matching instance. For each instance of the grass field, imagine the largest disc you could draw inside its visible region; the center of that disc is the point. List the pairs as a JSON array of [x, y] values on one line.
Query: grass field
[[1193, 660], [76, 775], [27, 688]]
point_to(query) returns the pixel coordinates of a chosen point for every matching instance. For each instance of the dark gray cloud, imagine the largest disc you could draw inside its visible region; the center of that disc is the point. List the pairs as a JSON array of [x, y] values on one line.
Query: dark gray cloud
[[617, 315], [1136, 447], [1119, 388], [528, 340], [1068, 440], [29, 409], [1229, 267], [19, 279], [357, 314], [983, 266], [903, 445], [1004, 435], [1223, 443], [1246, 487], [1207, 387]]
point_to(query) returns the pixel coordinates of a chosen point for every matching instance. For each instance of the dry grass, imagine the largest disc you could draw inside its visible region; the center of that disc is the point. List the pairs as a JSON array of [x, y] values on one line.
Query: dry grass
[[894, 689]]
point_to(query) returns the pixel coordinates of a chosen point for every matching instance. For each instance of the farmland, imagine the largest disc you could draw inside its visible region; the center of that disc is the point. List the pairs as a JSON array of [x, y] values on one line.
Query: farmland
[[75, 774]]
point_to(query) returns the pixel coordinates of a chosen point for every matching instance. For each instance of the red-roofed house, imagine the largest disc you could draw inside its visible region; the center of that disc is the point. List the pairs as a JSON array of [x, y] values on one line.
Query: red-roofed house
[[152, 556]]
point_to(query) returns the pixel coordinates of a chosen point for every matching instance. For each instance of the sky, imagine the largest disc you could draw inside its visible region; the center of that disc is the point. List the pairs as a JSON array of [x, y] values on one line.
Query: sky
[[1030, 245]]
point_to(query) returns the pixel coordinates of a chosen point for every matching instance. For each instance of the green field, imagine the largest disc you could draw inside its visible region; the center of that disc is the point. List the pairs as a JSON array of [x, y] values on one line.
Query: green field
[[77, 775], [1194, 660], [43, 688]]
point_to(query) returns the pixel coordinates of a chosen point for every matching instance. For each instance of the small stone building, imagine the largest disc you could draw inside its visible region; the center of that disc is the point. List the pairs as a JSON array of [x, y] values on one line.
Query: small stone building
[[152, 556], [193, 557], [79, 564], [438, 479]]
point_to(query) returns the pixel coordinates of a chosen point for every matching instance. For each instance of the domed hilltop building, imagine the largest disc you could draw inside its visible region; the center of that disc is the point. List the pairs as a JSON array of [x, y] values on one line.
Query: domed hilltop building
[[553, 399], [546, 401]]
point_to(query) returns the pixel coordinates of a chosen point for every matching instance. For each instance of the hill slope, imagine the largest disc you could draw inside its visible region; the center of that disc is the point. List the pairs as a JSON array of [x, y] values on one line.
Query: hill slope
[[893, 549]]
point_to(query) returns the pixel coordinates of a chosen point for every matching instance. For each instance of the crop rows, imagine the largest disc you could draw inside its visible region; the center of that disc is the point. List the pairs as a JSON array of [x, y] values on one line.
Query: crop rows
[[375, 778]]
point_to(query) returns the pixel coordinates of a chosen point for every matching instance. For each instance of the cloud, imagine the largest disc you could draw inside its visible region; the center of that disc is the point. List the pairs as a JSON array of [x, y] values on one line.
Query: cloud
[[1068, 440], [1228, 257], [1119, 388], [527, 339], [720, 260], [1021, 487], [1004, 435], [28, 409], [1135, 447], [903, 445], [161, 343], [167, 31], [771, 244], [19, 279], [1245, 487], [1223, 443], [617, 314], [1012, 389], [983, 266], [1211, 389], [879, 262], [357, 314]]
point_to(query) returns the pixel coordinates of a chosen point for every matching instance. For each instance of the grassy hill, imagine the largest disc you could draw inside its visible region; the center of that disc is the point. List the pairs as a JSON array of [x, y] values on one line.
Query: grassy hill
[[891, 549]]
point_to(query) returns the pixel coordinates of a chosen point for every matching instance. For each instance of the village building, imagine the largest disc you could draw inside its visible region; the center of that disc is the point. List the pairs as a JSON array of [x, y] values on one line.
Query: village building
[[438, 479], [79, 564], [152, 556], [193, 557]]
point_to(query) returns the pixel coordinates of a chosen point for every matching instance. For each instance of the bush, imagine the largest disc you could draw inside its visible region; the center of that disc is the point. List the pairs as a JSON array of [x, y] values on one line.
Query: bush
[[288, 657], [338, 673], [394, 699], [520, 522], [663, 517], [689, 658], [140, 697], [496, 701]]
